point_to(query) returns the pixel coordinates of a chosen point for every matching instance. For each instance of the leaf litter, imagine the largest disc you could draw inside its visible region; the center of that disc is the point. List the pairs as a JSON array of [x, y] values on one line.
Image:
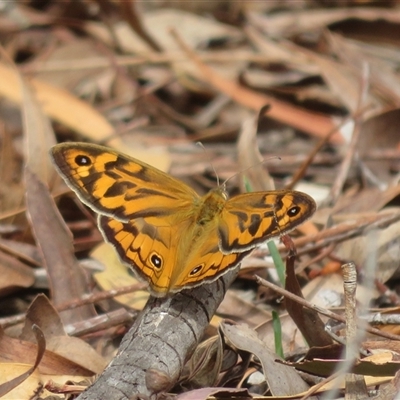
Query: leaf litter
[[328, 93]]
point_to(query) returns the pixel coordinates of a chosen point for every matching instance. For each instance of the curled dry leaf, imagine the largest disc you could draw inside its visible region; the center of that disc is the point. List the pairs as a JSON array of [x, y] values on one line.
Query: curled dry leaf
[[41, 313], [250, 159], [281, 381], [40, 349]]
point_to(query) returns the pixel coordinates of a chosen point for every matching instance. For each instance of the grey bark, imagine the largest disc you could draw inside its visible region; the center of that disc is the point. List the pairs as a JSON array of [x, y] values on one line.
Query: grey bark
[[154, 351]]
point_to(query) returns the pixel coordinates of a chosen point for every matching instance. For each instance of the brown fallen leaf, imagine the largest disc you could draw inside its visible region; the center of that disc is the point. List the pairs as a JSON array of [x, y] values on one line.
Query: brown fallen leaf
[[14, 273], [20, 351], [80, 117], [281, 381], [66, 278], [12, 383]]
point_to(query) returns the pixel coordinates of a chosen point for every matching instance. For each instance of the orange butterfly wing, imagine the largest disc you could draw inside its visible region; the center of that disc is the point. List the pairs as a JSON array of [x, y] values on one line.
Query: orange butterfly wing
[[252, 218], [116, 185]]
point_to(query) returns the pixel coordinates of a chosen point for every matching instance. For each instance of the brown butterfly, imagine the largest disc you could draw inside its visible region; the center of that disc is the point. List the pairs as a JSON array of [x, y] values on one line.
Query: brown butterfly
[[170, 235]]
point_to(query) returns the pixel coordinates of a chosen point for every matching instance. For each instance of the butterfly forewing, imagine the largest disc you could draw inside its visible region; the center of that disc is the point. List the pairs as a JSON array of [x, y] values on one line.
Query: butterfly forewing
[[119, 186], [252, 218]]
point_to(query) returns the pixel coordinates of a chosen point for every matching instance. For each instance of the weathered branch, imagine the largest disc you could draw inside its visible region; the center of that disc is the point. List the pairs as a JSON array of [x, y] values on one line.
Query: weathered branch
[[154, 351]]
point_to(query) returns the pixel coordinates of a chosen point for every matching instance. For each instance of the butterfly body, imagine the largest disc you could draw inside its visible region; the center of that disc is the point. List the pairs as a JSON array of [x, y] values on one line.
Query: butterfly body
[[162, 228]]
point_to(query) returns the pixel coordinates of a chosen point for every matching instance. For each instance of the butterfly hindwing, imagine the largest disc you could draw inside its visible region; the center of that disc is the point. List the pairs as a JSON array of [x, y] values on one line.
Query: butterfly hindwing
[[162, 256], [143, 249]]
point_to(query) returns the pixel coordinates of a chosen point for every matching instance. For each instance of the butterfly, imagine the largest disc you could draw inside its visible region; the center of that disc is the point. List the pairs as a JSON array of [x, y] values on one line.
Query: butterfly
[[159, 226]]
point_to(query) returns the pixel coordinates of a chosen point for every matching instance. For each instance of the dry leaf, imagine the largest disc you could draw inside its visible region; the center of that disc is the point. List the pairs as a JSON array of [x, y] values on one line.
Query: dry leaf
[[281, 381]]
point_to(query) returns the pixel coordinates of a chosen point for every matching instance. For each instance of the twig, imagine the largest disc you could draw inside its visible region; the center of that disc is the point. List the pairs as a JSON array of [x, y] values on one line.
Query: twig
[[343, 231], [280, 111], [352, 148], [310, 158], [354, 383], [144, 59], [158, 344], [321, 310], [87, 299]]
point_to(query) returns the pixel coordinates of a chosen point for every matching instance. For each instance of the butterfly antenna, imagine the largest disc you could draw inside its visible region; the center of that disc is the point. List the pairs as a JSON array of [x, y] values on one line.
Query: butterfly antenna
[[210, 162], [250, 167]]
